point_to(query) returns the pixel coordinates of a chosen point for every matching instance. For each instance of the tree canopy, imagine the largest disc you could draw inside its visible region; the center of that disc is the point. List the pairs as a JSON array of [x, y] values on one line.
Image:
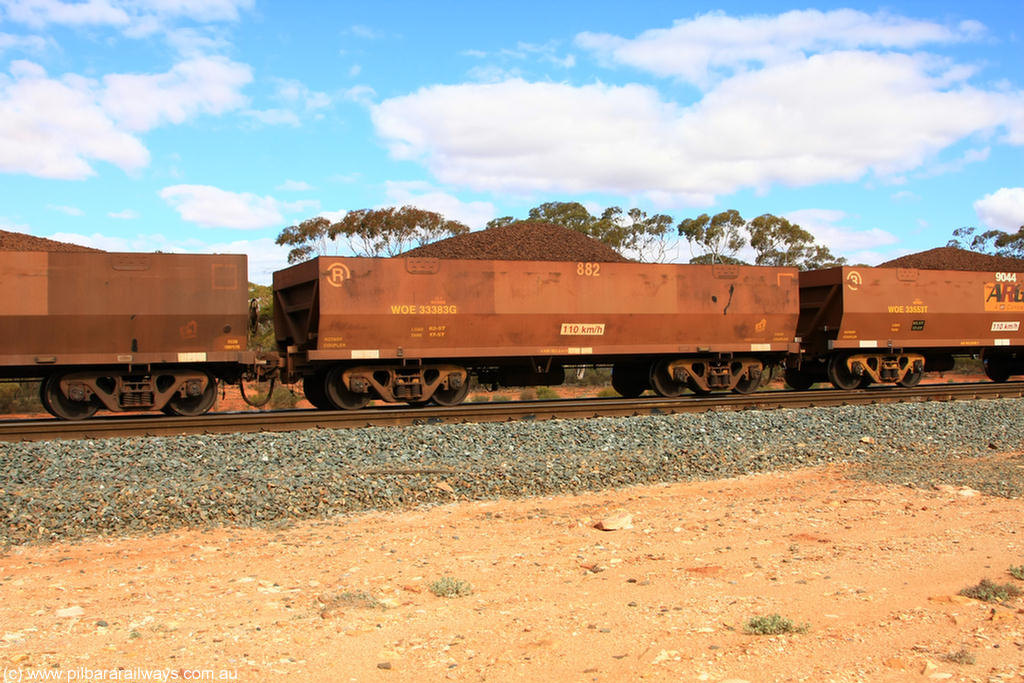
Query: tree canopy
[[774, 240], [369, 232], [993, 241], [631, 232]]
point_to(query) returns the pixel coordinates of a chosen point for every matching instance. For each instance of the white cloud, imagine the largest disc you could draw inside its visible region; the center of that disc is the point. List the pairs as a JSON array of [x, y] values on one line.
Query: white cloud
[[202, 85], [274, 117], [136, 18], [830, 117], [855, 244], [1003, 209], [39, 13], [213, 207], [712, 45], [54, 128], [362, 94], [124, 215], [69, 210], [13, 42], [295, 186], [425, 196], [50, 128]]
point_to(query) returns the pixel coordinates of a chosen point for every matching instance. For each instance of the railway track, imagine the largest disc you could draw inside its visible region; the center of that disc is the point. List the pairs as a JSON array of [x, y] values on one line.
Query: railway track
[[291, 420]]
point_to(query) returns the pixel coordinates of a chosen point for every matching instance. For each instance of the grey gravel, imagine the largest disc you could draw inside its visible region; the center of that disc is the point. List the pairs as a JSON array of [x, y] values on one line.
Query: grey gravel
[[69, 490]]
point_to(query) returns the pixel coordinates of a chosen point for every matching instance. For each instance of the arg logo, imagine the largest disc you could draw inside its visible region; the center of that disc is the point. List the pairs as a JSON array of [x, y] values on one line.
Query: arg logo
[[336, 274]]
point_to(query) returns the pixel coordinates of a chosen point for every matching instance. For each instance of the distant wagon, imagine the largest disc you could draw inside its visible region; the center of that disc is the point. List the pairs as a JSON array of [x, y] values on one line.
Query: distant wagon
[[124, 331]]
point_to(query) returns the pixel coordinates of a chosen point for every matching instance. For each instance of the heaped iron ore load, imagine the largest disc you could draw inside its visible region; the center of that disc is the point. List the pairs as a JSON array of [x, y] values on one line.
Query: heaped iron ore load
[[521, 241], [412, 329], [17, 241], [123, 331], [953, 258], [864, 325]]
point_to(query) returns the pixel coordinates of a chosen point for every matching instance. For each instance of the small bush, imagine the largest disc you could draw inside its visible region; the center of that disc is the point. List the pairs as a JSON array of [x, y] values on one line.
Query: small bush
[[479, 398], [20, 397], [773, 625], [990, 591], [963, 656], [608, 392], [546, 392], [356, 599], [527, 394], [1017, 572], [448, 587]]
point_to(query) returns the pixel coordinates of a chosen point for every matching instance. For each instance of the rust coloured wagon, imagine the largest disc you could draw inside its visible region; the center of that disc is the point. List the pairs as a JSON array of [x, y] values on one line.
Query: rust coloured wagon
[[124, 331], [416, 329], [862, 325]]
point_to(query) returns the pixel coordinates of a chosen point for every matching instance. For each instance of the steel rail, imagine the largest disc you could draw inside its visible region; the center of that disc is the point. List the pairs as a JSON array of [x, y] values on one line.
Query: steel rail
[[291, 420]]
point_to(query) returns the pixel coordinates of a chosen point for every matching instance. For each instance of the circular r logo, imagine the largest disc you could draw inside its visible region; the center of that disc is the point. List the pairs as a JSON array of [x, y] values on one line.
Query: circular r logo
[[337, 273]]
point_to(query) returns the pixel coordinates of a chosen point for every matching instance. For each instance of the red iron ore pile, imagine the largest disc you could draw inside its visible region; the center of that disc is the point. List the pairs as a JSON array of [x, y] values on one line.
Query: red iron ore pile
[[16, 241], [951, 258], [522, 241]]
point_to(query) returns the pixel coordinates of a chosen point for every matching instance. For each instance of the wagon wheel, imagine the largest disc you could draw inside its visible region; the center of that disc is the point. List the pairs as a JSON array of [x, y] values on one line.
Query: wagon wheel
[[628, 381], [664, 384], [452, 397], [799, 380], [748, 384], [996, 370], [840, 375], [191, 406], [313, 388], [912, 378], [59, 405], [339, 395]]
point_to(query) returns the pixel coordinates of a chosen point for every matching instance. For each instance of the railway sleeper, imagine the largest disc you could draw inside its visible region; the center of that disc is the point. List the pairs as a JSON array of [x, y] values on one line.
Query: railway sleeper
[[446, 384]]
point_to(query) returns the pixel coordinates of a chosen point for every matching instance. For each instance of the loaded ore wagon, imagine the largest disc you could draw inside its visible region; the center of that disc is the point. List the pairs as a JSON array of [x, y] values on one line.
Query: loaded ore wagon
[[862, 325], [124, 331], [416, 328]]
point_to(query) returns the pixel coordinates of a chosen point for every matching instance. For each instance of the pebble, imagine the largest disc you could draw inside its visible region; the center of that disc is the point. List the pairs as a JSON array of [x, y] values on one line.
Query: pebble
[[68, 490]]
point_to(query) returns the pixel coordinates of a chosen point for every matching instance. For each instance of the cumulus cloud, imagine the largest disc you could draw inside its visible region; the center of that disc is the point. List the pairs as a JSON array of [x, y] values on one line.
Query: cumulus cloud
[[425, 196], [712, 45], [202, 85], [856, 244], [833, 117], [54, 127], [1003, 209], [137, 18], [800, 98], [213, 207]]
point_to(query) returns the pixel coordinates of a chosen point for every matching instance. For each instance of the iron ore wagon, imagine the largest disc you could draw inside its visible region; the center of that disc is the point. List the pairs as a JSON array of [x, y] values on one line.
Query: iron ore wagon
[[415, 329]]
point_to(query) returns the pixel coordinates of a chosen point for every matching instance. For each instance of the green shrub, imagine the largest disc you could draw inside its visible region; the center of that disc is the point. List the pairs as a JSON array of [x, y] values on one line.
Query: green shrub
[[527, 394], [773, 625], [448, 587], [990, 591], [1017, 572], [20, 397], [546, 392]]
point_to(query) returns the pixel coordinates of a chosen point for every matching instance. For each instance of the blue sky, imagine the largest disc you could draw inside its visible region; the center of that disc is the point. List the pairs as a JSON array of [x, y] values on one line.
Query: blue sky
[[210, 125]]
